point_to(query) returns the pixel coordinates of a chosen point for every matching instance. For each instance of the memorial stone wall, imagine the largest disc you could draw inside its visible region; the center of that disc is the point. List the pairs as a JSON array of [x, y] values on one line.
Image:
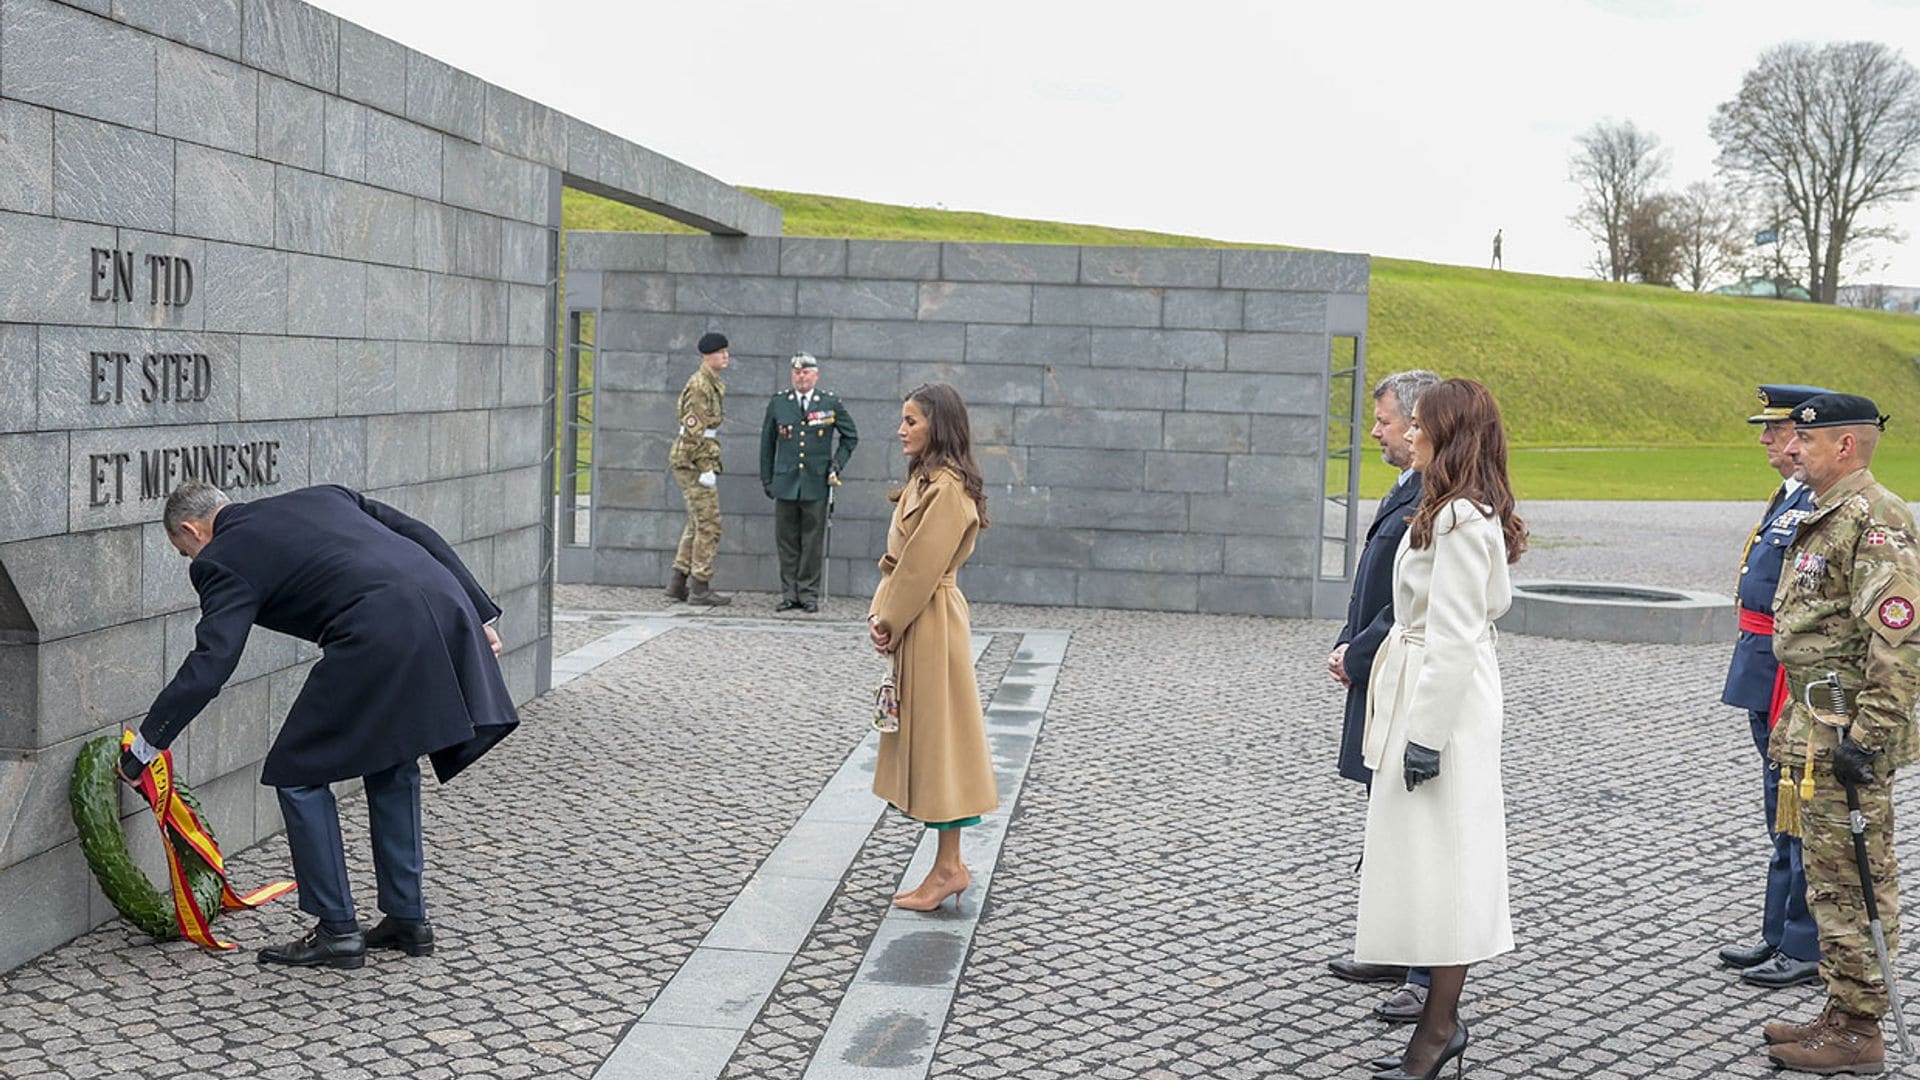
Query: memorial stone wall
[[1152, 423], [248, 242]]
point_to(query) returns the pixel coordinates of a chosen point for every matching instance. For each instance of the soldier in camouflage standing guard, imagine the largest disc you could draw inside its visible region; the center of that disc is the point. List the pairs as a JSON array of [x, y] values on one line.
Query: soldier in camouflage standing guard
[[695, 459], [1846, 605]]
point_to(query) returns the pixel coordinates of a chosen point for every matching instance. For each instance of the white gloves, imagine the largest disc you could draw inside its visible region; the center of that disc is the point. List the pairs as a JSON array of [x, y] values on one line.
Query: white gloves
[[707, 479]]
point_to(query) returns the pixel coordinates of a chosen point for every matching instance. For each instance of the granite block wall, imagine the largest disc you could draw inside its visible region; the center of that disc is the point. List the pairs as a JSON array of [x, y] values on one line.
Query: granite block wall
[[248, 240], [1151, 422]]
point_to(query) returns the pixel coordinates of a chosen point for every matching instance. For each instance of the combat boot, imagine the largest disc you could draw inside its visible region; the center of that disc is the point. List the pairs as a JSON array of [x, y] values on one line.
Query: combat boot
[[677, 588], [702, 593], [1848, 1044], [1786, 1031]]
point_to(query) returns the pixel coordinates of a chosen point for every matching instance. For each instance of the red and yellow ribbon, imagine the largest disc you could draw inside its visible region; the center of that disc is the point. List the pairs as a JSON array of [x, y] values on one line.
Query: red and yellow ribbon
[[177, 819]]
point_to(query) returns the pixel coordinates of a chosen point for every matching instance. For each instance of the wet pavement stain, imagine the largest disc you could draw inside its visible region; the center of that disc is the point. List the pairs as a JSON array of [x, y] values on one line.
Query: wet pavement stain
[[922, 958], [894, 1040]]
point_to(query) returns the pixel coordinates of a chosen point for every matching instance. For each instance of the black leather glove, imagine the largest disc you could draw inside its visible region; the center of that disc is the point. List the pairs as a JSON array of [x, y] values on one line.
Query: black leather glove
[[768, 488], [1421, 765], [131, 767], [1853, 763]]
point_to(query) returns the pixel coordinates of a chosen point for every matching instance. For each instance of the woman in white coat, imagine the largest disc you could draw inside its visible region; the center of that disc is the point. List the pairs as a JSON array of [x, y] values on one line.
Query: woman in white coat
[[1433, 882]]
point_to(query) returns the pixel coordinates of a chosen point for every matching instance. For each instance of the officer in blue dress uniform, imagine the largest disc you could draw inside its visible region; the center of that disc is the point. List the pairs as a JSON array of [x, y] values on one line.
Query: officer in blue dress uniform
[[1788, 953]]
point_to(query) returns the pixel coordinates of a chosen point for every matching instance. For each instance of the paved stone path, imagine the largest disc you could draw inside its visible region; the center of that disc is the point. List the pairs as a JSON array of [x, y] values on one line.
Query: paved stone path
[[1175, 875]]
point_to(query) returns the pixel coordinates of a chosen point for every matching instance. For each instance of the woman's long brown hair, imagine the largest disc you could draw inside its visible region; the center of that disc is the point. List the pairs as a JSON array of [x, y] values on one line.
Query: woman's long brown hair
[[1462, 423], [949, 443]]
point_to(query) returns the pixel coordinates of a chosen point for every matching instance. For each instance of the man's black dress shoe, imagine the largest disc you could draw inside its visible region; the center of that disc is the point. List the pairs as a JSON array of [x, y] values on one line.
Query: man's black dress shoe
[[1746, 956], [320, 949], [1404, 1005], [810, 607], [787, 605], [1354, 971], [411, 936], [1780, 971]]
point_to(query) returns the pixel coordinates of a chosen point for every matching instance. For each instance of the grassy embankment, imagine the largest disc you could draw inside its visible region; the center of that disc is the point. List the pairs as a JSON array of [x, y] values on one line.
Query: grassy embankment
[[1609, 391]]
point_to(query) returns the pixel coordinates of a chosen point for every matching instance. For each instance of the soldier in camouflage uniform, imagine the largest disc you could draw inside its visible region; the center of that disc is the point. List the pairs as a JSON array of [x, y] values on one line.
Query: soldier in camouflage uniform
[[695, 459], [1846, 604]]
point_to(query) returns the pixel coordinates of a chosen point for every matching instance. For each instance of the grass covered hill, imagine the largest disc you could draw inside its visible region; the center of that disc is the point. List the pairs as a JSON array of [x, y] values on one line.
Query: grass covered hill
[[1614, 391]]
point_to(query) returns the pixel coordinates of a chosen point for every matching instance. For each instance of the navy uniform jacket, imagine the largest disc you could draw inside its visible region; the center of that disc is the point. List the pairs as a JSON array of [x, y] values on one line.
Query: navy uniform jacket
[[1370, 615], [405, 668], [1750, 678], [797, 447]]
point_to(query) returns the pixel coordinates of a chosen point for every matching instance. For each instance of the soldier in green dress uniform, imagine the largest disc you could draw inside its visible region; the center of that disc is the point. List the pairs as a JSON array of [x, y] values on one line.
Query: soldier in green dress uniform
[[798, 460]]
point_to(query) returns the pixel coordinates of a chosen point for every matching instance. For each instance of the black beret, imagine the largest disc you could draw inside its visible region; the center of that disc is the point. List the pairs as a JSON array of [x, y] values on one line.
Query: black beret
[[712, 343], [1837, 410]]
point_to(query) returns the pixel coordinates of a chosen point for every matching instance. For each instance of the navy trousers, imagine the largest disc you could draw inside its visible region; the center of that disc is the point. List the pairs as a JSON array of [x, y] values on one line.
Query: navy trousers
[[320, 860], [1787, 925]]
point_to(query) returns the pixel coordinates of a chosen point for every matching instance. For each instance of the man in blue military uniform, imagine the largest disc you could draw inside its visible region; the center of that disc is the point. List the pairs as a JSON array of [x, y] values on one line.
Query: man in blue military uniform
[[798, 460], [1788, 953]]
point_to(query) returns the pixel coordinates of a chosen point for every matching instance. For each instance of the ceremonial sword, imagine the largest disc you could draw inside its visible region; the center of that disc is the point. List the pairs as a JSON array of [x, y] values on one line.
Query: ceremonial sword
[[1857, 824]]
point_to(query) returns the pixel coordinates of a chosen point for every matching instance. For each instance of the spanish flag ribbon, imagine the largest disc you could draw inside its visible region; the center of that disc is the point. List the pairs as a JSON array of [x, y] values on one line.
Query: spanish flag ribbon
[[178, 821]]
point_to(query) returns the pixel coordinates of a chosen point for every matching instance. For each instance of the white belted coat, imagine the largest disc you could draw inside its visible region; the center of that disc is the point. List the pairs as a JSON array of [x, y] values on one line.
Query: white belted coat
[[1433, 883]]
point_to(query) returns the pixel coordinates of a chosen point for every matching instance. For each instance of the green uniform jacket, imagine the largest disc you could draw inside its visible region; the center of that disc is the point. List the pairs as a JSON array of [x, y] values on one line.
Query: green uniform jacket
[[797, 449], [1847, 600], [703, 405]]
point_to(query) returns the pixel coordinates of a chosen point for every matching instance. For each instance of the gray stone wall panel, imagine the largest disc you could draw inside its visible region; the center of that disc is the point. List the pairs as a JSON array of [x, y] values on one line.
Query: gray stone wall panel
[[516, 125], [1253, 393], [1149, 267], [946, 301], [1300, 354], [809, 256], [396, 303], [476, 177], [1186, 472], [1293, 313], [137, 389], [1155, 553], [142, 312], [854, 338], [293, 124], [1177, 350], [911, 260], [110, 174], [403, 156], [1318, 271], [26, 158], [69, 77], [1097, 306], [211, 25], [106, 677], [1203, 309], [19, 357], [524, 254], [983, 384], [57, 290], [373, 69], [1101, 388], [326, 297], [206, 99], [1093, 469], [433, 235], [337, 452], [79, 583], [223, 196], [346, 139], [322, 215], [858, 299], [730, 255], [286, 377], [1031, 263], [367, 377], [292, 39], [245, 289], [25, 509], [723, 296]]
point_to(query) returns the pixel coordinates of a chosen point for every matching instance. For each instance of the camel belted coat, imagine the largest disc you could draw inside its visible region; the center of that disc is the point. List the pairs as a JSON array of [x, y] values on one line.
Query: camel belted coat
[[937, 767], [1433, 881]]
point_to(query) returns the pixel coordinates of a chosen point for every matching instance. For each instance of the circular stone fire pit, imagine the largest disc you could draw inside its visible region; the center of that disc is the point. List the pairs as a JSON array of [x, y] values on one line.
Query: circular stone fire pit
[[1614, 611]]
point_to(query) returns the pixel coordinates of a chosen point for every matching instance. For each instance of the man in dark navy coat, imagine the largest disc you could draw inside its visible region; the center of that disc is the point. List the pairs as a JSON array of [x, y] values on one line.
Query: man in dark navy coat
[[408, 667], [1369, 617], [1788, 953]]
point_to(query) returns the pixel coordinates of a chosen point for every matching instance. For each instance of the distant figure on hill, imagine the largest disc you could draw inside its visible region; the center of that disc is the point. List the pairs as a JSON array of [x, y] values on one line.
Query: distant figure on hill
[[1497, 264]]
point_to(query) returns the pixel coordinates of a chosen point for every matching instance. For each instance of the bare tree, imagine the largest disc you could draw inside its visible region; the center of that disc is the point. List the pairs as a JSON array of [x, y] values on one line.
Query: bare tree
[[1654, 242], [1616, 167], [1712, 232], [1831, 130]]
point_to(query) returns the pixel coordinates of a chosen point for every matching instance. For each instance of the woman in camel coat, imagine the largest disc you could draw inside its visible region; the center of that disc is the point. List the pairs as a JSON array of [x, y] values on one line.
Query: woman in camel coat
[[1433, 881], [936, 768]]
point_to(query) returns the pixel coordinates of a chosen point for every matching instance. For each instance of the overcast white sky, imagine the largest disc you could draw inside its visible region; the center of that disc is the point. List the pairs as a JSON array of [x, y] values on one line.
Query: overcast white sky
[[1409, 129]]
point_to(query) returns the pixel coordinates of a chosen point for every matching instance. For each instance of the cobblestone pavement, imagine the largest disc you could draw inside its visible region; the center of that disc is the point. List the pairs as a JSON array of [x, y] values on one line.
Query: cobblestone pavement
[[1177, 873]]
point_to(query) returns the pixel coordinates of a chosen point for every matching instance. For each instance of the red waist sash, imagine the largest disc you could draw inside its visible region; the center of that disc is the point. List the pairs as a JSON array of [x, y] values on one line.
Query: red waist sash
[[1761, 622]]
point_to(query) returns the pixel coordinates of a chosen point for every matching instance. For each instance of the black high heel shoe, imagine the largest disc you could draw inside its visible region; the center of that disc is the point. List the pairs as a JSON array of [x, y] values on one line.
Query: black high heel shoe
[[1386, 1064], [1455, 1051]]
